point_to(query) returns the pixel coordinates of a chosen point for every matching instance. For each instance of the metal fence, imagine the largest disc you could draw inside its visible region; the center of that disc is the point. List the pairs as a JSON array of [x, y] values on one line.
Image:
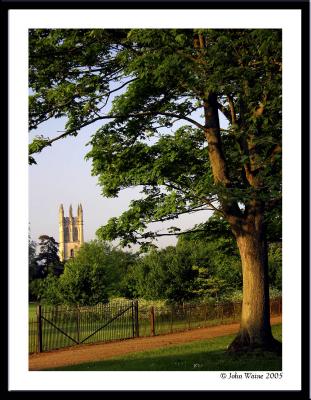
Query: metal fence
[[57, 327], [60, 326], [161, 320]]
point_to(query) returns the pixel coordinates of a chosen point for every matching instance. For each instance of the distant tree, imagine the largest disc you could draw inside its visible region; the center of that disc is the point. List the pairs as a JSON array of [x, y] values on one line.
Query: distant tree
[[123, 262], [32, 260], [48, 259], [163, 274], [93, 275], [213, 253], [46, 290], [214, 248], [35, 290], [206, 285], [275, 265], [50, 290]]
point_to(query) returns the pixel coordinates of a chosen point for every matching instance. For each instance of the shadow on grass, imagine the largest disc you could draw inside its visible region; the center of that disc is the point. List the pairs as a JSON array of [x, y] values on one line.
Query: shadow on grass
[[200, 361], [203, 355]]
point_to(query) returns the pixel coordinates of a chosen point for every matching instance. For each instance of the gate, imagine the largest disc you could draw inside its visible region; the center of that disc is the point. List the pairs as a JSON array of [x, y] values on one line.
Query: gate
[[63, 326]]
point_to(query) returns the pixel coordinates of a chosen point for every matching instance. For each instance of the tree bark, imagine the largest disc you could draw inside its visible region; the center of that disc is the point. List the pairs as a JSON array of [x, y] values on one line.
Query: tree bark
[[255, 329], [212, 135]]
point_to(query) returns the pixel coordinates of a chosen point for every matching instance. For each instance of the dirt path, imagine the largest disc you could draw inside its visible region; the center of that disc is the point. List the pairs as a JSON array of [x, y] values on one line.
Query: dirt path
[[97, 352]]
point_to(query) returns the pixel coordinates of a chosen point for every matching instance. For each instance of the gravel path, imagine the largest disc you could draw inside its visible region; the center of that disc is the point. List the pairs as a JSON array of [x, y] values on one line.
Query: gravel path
[[101, 351]]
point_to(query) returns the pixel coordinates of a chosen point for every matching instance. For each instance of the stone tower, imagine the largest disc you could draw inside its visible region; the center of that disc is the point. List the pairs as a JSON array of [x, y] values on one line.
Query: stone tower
[[70, 233]]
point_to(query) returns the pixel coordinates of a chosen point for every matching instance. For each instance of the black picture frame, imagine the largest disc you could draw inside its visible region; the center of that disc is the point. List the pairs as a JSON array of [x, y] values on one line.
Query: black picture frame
[[304, 7]]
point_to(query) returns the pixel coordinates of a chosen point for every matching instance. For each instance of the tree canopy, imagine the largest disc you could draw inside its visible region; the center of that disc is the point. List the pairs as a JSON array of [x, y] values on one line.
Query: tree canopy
[[166, 76]]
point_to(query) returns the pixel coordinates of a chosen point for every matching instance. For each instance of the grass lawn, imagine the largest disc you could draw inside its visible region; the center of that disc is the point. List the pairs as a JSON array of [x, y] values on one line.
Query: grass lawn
[[32, 311], [205, 355]]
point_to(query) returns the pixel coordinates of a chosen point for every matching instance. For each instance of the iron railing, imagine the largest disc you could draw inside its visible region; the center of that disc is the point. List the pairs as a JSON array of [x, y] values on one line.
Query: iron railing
[[60, 326]]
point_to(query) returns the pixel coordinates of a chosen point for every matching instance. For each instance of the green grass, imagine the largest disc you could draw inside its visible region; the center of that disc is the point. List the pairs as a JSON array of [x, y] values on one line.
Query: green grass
[[203, 355], [32, 311]]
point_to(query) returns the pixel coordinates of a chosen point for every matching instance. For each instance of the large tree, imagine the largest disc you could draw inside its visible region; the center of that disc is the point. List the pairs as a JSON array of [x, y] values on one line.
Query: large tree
[[163, 78]]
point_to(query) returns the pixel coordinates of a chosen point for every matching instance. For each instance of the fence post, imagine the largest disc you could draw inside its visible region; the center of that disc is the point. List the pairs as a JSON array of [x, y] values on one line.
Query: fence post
[[39, 321], [78, 324], [152, 330], [206, 313], [133, 319], [136, 321]]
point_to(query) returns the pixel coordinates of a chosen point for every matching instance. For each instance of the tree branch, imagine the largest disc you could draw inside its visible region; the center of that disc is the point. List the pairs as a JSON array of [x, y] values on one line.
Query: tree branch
[[205, 200], [193, 210], [232, 110], [155, 235], [124, 84], [224, 110], [145, 113]]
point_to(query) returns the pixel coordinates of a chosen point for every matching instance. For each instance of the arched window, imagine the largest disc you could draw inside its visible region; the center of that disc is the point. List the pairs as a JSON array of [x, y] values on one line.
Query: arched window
[[75, 234], [71, 253], [66, 234]]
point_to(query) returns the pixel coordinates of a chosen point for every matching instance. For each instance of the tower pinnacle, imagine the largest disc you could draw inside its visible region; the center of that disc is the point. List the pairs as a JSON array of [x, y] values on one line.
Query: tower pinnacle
[[70, 232]]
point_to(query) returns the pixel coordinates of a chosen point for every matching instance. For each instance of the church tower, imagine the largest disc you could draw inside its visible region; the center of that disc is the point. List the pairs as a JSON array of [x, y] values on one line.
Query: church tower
[[70, 233]]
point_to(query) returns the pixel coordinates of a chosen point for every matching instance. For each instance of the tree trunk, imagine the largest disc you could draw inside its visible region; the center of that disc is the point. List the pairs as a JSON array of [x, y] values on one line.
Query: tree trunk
[[255, 328], [248, 228]]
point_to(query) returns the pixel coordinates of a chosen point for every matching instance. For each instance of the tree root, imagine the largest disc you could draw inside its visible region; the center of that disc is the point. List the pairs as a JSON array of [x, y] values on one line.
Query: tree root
[[243, 343]]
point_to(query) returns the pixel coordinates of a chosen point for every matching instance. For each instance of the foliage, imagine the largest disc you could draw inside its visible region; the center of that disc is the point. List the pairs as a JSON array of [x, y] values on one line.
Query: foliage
[[93, 275], [48, 260], [32, 260], [205, 285], [275, 265], [35, 290], [144, 303], [167, 75], [162, 274], [214, 255], [123, 262], [204, 265], [42, 266], [96, 272], [46, 290]]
